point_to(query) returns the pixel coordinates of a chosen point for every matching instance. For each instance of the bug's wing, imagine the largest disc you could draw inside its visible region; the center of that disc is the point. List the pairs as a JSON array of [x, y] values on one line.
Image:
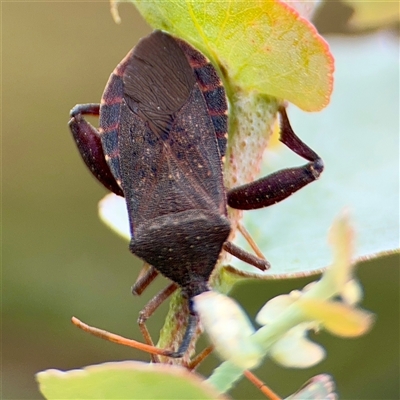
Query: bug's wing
[[177, 171], [158, 80], [169, 156]]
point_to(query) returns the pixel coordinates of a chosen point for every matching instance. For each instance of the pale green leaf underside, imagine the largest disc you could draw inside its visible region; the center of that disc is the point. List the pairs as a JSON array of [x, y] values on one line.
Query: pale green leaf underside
[[124, 380], [357, 137]]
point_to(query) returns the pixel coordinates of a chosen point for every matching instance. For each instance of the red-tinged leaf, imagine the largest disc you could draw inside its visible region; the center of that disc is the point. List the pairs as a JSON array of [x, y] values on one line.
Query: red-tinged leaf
[[257, 46]]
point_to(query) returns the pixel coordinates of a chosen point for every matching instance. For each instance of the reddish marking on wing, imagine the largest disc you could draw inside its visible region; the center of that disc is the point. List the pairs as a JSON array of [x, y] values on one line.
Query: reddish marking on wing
[[109, 129], [194, 57], [110, 116], [113, 91], [113, 154], [216, 101], [207, 77], [111, 100], [215, 113]]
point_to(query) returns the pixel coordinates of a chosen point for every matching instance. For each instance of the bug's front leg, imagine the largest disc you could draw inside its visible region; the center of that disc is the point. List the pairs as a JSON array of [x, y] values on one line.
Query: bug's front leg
[[281, 184], [88, 141]]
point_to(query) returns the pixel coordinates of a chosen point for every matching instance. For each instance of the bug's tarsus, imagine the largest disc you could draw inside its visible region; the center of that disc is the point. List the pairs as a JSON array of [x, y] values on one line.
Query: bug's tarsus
[[85, 109], [198, 358]]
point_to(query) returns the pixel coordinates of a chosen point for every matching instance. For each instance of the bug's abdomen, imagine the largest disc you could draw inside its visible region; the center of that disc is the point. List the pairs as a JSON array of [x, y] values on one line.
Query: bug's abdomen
[[184, 246]]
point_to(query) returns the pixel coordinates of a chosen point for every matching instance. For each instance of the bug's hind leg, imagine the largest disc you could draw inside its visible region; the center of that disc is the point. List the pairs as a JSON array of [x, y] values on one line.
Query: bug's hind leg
[[278, 186], [88, 141]]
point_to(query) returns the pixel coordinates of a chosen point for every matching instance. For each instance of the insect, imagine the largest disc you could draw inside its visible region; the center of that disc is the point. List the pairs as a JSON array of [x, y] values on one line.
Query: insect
[[161, 141]]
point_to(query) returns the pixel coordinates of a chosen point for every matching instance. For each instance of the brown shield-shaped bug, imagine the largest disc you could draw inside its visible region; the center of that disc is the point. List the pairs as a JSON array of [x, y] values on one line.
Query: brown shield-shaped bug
[[160, 144]]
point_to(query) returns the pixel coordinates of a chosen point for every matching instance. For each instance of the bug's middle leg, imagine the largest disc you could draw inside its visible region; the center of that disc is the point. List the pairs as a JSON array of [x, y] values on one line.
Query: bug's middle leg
[[149, 310], [278, 186], [146, 276], [260, 263]]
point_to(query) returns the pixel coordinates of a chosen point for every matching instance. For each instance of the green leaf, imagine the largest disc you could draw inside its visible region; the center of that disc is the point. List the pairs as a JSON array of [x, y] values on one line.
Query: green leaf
[[124, 380], [357, 137], [260, 46]]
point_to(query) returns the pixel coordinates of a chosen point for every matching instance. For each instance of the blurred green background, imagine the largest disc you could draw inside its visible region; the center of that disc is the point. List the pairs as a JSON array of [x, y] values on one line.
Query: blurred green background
[[59, 260]]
